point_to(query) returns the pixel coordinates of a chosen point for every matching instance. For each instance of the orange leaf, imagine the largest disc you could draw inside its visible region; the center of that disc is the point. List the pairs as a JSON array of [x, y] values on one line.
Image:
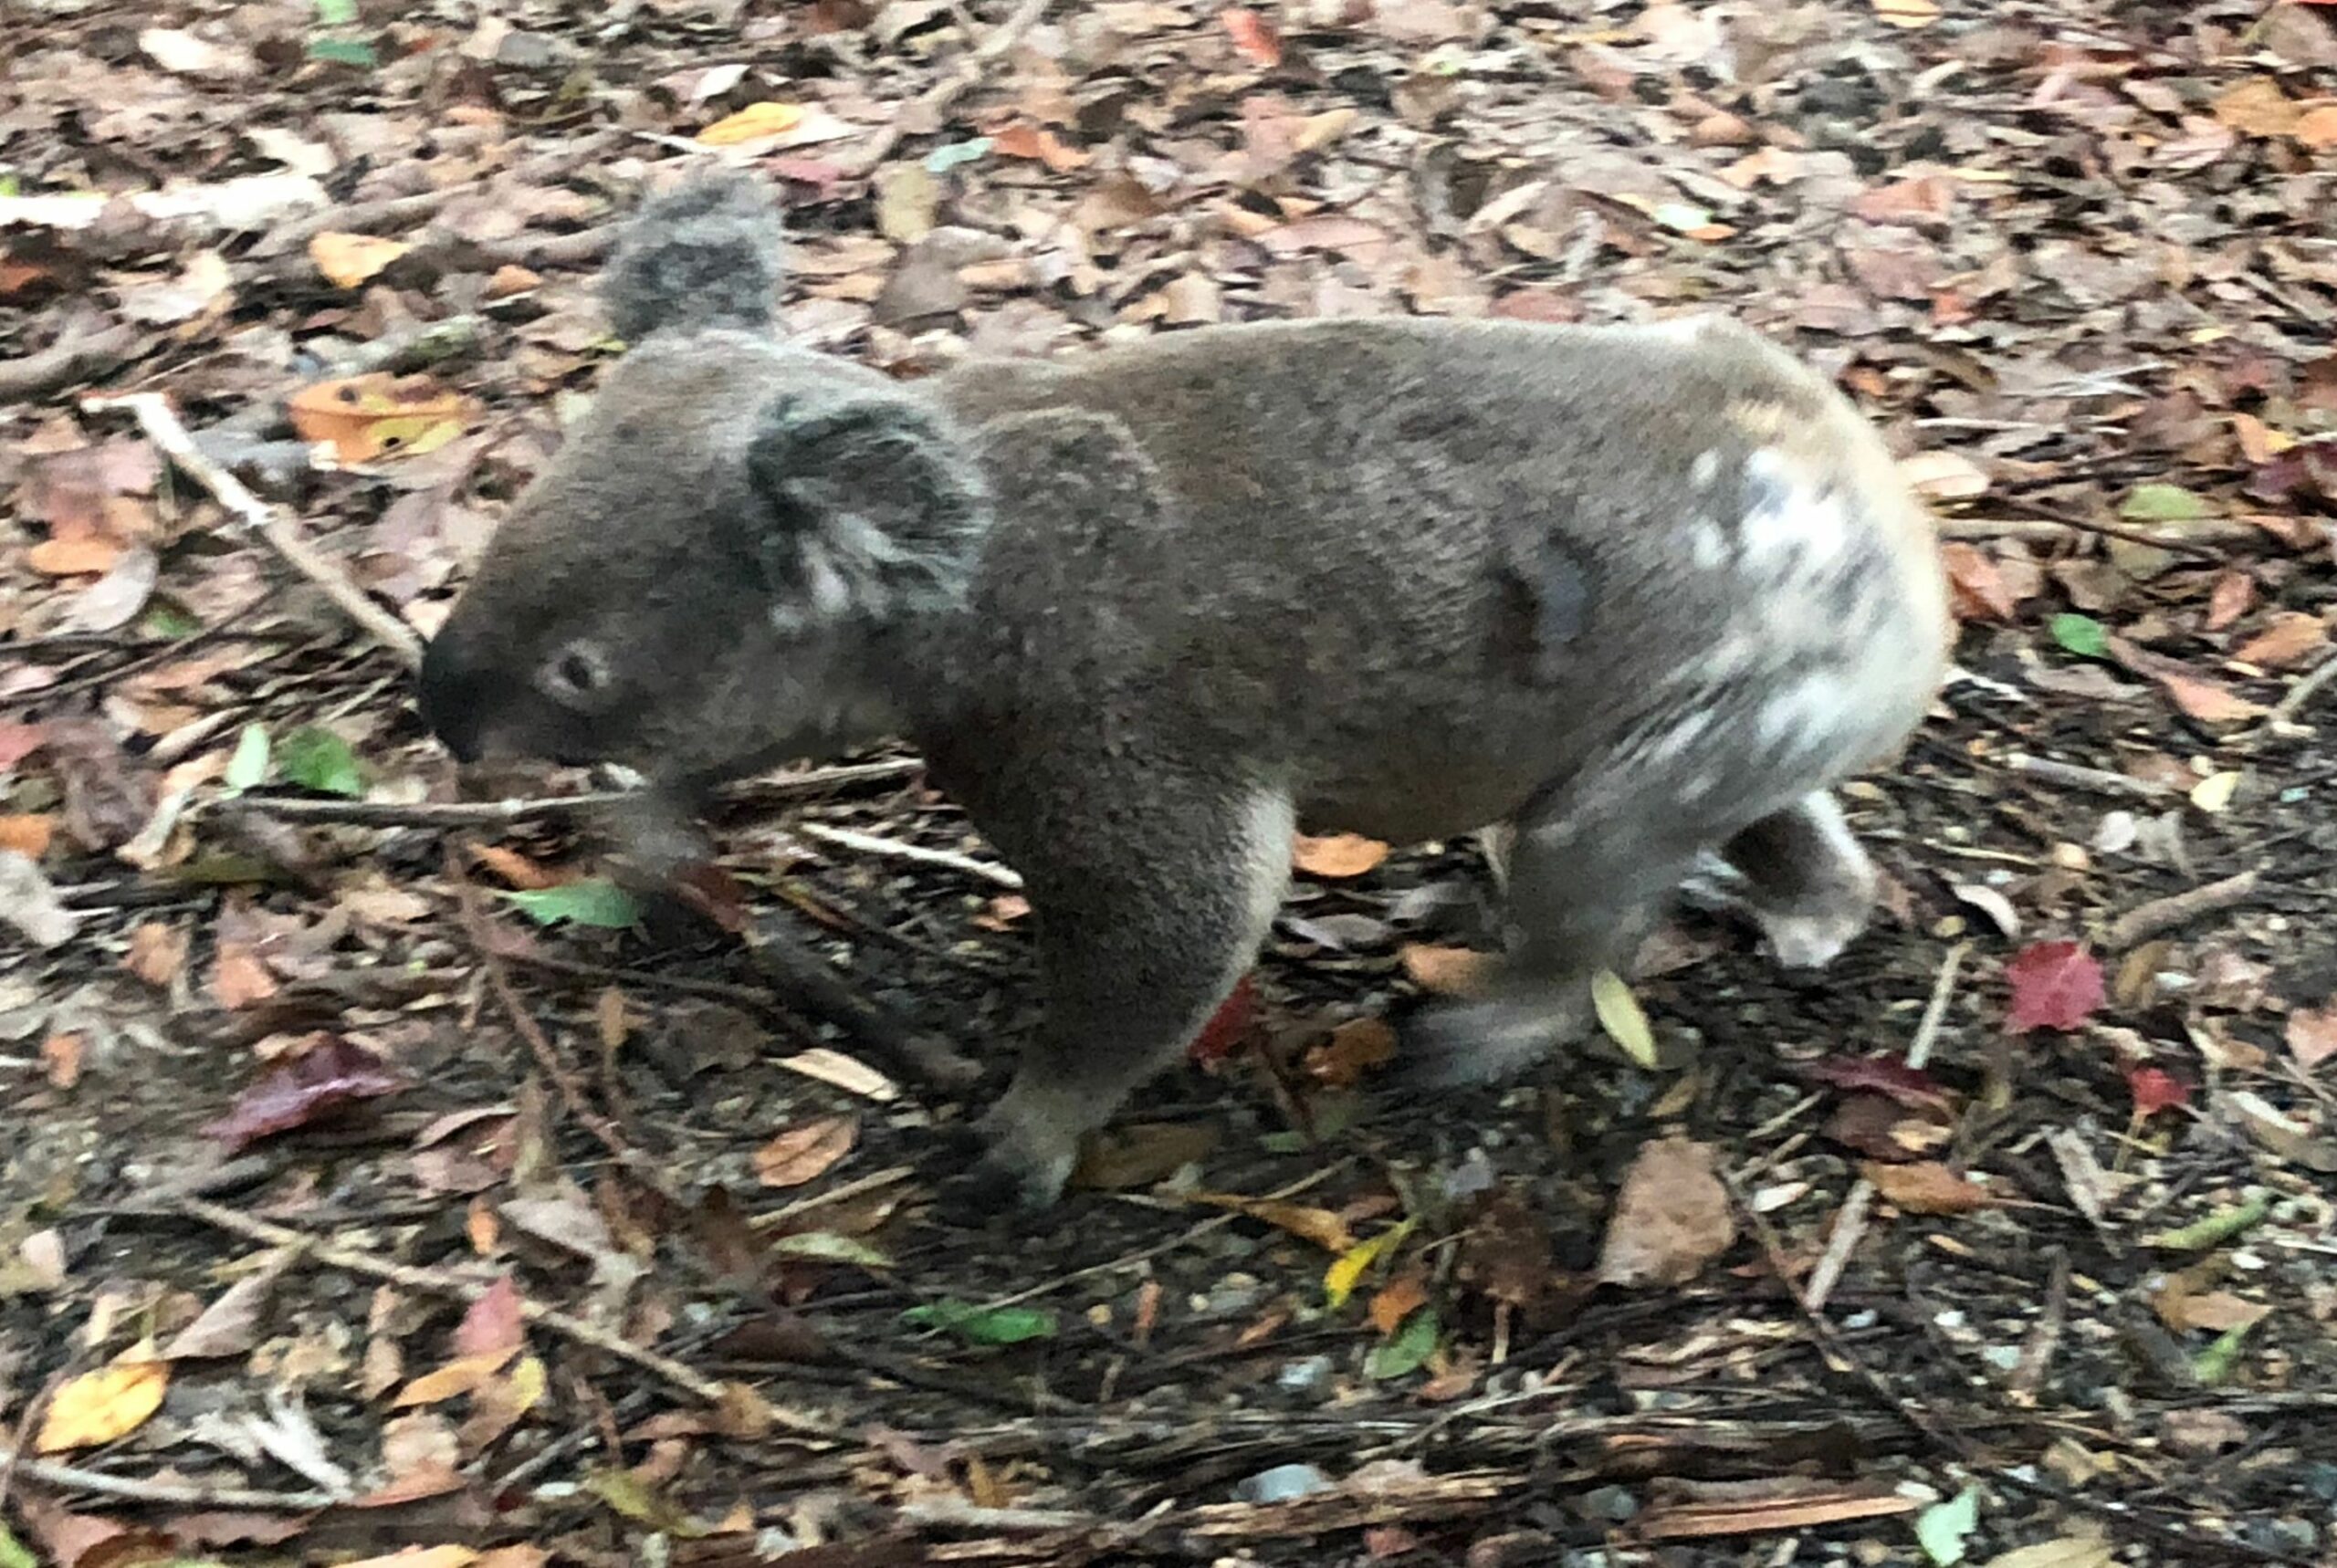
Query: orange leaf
[[1978, 588], [157, 953], [368, 417], [348, 260], [2318, 128], [1253, 34], [28, 833], [60, 1056], [460, 1376], [1337, 855], [1925, 1187], [239, 977], [102, 1405], [514, 868], [1396, 1301], [1443, 971], [1354, 1048], [808, 1150], [2257, 107], [2288, 637], [1023, 140], [72, 558]]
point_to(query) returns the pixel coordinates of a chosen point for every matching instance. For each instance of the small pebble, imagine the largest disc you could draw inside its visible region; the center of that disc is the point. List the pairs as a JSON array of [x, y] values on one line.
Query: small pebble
[[1283, 1483]]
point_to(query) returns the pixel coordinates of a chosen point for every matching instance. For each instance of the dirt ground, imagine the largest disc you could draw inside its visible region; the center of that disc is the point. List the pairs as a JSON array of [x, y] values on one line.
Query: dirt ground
[[383, 1179]]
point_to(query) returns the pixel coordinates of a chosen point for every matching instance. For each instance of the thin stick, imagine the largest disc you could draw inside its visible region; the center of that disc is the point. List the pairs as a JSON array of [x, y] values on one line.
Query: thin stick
[[431, 1281], [1849, 1224], [82, 352], [2286, 710], [2100, 780], [2146, 921], [162, 428], [893, 849], [169, 1494], [2055, 527], [529, 808]]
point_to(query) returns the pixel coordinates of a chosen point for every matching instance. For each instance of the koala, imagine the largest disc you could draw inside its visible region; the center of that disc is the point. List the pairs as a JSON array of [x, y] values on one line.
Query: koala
[[1633, 598]]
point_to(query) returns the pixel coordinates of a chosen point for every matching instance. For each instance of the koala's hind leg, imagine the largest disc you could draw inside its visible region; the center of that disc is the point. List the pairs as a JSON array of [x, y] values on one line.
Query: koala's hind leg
[[1146, 918], [1584, 884], [1800, 876]]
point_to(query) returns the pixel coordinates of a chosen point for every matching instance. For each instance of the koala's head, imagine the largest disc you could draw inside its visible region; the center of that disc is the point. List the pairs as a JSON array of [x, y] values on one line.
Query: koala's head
[[696, 583]]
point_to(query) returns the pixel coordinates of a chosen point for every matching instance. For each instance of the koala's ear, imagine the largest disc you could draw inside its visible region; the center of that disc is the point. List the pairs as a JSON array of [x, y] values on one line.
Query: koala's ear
[[708, 252], [869, 506]]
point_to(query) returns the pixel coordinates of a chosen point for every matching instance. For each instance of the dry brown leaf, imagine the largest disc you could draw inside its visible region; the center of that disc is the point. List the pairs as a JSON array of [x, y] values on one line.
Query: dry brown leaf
[[2313, 1036], [1925, 1187], [1944, 476], [461, 1376], [1141, 1154], [516, 869], [60, 1057], [1671, 1216], [1979, 590], [1320, 1226], [348, 260], [1798, 1505], [1354, 1048], [2288, 638], [73, 557], [2257, 107], [1023, 140], [239, 977], [2317, 128], [1398, 1300], [1337, 855], [157, 953], [806, 1151], [1444, 971], [2233, 595]]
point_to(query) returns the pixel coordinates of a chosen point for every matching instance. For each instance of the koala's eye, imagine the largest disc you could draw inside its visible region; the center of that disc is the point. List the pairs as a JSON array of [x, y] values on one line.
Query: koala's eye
[[576, 674]]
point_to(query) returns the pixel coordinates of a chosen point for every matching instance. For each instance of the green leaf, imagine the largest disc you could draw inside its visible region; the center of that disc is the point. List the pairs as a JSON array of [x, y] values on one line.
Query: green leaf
[[1943, 1528], [336, 13], [627, 1494], [2214, 1230], [594, 901], [827, 1246], [168, 621], [941, 160], [2164, 504], [2081, 635], [14, 1553], [1406, 1350], [344, 52], [248, 766], [317, 758], [994, 1325], [2214, 1364]]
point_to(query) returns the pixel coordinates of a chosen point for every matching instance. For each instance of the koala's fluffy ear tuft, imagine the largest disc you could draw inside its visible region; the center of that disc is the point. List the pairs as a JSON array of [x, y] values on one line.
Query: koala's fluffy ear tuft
[[708, 252], [870, 506]]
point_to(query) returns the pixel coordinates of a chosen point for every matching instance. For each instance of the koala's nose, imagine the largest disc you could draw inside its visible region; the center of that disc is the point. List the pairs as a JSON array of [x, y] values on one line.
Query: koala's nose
[[450, 697]]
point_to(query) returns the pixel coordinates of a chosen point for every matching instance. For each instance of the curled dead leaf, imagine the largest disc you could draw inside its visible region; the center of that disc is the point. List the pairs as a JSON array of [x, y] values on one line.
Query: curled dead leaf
[[1337, 855], [805, 1152]]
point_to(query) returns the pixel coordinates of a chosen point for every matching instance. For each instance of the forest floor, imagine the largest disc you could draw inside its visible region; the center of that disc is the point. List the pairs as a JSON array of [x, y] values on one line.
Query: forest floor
[[379, 1177]]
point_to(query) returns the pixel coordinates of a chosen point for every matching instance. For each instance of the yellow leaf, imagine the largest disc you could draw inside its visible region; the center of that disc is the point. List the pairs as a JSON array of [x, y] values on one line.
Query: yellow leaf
[[1338, 854], [752, 124], [1347, 1269], [2214, 792], [1908, 12], [348, 260], [460, 1376], [102, 1405], [1619, 1016]]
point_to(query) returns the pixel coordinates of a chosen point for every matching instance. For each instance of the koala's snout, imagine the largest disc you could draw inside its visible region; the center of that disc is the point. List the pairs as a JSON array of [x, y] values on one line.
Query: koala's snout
[[453, 697]]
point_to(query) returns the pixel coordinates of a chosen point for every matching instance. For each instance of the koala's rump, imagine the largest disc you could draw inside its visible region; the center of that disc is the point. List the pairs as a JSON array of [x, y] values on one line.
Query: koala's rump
[[1416, 571]]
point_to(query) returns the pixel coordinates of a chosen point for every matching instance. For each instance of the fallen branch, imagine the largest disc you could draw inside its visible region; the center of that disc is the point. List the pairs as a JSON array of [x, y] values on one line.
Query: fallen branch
[[166, 1494], [2100, 780], [891, 849], [451, 814], [432, 1282], [2199, 545], [2146, 921], [161, 426]]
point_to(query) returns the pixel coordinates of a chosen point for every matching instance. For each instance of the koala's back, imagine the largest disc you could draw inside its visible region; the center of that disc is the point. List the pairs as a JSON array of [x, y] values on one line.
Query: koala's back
[[1412, 572]]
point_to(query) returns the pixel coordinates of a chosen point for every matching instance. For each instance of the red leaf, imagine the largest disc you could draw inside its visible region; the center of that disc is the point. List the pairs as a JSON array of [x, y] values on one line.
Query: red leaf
[[2055, 985], [1229, 1027], [2154, 1089], [294, 1094], [1887, 1075], [1254, 36]]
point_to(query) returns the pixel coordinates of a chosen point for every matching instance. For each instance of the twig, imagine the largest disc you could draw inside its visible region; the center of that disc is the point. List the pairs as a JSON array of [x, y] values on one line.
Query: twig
[[408, 212], [431, 1281], [1849, 1224], [169, 1494], [2099, 779], [2036, 1350], [893, 849], [80, 353], [2286, 710], [161, 426], [2058, 527], [2146, 921], [797, 972], [510, 812], [936, 100]]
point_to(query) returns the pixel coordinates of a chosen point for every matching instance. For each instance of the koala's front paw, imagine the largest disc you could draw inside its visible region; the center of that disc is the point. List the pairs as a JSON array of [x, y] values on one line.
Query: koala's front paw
[[1003, 1165]]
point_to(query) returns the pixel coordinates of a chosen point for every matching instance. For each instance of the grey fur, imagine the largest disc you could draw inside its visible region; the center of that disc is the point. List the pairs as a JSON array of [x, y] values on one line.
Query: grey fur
[[1632, 595], [709, 253]]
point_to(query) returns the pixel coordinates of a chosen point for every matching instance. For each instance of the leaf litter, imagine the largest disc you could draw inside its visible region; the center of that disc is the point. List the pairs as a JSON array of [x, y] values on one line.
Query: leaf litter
[[355, 251]]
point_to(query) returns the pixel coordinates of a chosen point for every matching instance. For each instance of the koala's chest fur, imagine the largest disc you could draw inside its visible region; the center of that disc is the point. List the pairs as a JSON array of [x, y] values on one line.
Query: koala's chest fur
[[1409, 588]]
